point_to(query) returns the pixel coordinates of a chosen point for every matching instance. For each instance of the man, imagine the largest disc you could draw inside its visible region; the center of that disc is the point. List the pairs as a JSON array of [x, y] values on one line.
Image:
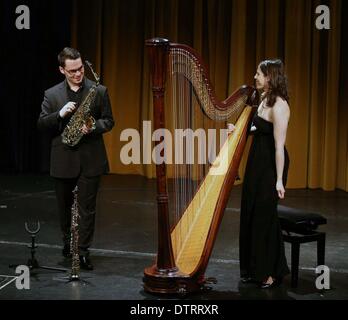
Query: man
[[83, 164]]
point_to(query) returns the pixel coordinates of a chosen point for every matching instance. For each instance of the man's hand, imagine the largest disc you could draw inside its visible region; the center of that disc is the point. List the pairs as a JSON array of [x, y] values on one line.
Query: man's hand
[[86, 130], [88, 126], [67, 109]]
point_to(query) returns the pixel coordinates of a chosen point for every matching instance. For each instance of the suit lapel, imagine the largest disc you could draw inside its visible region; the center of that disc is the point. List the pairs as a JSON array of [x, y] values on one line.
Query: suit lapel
[[62, 95]]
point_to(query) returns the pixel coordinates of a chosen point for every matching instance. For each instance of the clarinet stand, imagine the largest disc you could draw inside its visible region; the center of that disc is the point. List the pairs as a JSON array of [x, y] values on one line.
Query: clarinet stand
[[32, 262], [74, 274]]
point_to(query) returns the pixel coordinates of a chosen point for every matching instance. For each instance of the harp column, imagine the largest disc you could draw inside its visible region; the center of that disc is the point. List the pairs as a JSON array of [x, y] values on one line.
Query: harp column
[[154, 277]]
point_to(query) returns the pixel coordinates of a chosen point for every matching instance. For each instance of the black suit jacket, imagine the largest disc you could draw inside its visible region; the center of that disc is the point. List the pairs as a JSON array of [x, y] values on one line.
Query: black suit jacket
[[89, 156]]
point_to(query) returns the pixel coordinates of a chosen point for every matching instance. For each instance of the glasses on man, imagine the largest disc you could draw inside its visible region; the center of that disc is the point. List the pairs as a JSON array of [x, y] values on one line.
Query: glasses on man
[[74, 71]]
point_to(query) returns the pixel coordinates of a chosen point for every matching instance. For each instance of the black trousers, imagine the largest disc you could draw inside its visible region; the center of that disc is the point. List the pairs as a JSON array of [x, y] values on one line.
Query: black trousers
[[86, 198]]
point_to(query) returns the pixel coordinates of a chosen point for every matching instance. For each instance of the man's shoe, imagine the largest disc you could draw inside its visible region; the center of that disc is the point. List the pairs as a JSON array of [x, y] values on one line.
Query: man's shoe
[[85, 263], [66, 251], [247, 280]]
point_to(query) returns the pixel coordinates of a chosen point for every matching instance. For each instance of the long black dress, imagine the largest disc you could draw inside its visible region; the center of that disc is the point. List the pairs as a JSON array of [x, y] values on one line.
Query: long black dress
[[261, 246]]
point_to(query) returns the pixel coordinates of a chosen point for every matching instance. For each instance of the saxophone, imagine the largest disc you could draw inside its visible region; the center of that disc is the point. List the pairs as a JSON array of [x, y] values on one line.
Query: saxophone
[[72, 132], [74, 240]]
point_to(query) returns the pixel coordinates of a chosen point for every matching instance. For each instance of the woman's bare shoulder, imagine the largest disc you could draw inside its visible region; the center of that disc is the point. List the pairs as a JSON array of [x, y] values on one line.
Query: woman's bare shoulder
[[281, 107]]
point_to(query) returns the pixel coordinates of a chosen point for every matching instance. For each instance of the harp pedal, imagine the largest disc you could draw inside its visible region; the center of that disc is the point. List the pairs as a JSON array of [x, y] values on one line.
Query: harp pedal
[[210, 280], [207, 284], [206, 288]]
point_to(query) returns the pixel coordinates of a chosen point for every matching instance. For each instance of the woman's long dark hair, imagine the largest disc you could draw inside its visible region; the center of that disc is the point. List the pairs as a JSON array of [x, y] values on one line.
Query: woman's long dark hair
[[278, 84]]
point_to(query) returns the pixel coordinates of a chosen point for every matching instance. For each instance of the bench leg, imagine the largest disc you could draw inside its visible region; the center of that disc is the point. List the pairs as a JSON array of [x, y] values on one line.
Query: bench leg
[[295, 259], [321, 250]]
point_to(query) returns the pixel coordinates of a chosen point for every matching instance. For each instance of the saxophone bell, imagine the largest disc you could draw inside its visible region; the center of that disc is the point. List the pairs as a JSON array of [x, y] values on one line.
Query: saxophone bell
[[90, 123]]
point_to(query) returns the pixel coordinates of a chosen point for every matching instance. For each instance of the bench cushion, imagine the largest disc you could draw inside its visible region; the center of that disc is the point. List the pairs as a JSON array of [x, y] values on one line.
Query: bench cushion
[[291, 218]]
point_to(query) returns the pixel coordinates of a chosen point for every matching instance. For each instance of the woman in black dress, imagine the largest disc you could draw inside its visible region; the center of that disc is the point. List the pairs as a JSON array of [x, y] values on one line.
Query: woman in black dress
[[261, 246]]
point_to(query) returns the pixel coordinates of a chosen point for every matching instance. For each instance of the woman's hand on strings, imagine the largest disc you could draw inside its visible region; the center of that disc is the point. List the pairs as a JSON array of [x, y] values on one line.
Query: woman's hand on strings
[[230, 128]]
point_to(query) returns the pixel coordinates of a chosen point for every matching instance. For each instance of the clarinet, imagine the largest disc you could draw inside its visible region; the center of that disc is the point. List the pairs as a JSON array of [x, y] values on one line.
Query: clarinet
[[74, 240]]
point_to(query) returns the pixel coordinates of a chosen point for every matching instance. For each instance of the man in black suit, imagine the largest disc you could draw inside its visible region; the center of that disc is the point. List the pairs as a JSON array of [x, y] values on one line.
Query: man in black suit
[[83, 164]]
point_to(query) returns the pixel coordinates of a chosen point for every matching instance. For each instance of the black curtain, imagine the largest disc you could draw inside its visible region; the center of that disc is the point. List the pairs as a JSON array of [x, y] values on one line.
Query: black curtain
[[29, 66]]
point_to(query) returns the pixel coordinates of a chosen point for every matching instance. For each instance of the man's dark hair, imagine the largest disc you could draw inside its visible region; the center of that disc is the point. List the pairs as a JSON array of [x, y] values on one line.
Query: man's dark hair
[[68, 53]]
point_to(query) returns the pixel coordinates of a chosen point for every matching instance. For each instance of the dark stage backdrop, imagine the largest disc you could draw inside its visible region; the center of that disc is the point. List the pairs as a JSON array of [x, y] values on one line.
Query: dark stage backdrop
[[28, 67], [232, 36]]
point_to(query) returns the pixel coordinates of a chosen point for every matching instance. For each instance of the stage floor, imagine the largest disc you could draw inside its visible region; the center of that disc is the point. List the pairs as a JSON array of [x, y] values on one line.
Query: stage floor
[[125, 243]]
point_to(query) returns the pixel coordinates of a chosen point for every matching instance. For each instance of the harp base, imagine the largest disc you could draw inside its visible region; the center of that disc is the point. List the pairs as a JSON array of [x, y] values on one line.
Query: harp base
[[170, 281]]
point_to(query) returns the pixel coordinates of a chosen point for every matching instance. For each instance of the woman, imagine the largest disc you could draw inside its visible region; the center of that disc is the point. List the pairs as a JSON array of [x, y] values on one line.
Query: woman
[[261, 247]]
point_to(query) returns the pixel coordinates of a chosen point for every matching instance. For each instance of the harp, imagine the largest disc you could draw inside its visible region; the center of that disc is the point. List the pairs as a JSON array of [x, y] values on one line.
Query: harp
[[192, 199]]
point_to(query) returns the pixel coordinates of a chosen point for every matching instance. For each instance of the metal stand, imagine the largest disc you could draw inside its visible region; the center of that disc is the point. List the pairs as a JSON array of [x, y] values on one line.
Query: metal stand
[[74, 274], [73, 279], [32, 262]]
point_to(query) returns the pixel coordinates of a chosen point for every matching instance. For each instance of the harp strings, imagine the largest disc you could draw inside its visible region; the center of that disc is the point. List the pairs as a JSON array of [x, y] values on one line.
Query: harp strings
[[183, 62], [193, 109], [187, 113]]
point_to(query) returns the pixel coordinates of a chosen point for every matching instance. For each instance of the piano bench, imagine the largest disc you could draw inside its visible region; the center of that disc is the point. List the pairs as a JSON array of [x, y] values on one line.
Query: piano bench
[[300, 226]]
